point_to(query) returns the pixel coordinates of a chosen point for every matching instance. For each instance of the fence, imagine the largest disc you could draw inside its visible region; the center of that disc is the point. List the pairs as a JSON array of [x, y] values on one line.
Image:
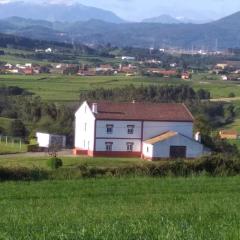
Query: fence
[[11, 141]]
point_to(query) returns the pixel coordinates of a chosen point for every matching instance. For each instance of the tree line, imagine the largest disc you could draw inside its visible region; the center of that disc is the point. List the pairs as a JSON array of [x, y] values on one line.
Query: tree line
[[28, 114]]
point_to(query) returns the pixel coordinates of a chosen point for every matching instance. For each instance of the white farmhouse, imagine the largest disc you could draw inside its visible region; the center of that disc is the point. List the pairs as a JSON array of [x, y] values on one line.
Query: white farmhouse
[[150, 131]]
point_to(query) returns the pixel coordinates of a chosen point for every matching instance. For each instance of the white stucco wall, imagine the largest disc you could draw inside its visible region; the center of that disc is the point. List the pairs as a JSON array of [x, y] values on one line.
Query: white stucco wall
[[84, 116], [147, 150], [119, 145], [120, 129], [162, 149], [152, 129], [43, 139]]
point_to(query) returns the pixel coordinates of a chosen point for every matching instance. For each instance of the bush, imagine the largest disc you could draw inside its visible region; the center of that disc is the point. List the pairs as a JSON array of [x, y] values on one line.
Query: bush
[[32, 148], [55, 163], [23, 174], [231, 95]]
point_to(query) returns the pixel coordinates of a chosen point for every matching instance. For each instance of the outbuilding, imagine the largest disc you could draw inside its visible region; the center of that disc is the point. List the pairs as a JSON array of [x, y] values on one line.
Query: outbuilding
[[172, 144], [46, 140]]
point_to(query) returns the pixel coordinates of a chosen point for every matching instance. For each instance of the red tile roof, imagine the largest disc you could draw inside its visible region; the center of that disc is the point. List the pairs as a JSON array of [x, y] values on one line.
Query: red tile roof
[[143, 112]]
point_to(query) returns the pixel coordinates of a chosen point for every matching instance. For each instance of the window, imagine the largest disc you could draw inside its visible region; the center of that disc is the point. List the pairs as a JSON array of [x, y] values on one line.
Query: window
[[109, 129], [85, 127], [130, 147], [109, 146], [130, 129], [147, 149]]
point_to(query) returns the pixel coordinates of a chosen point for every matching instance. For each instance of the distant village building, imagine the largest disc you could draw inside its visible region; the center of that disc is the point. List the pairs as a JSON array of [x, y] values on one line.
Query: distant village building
[[8, 66], [88, 72], [224, 77], [229, 134], [147, 130], [173, 65], [129, 69], [105, 68], [128, 58], [186, 76], [221, 66], [48, 50], [39, 50]]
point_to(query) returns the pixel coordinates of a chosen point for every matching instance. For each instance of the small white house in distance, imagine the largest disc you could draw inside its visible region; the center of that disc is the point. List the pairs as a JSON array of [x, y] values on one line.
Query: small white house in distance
[[147, 130], [48, 50], [128, 58], [46, 140]]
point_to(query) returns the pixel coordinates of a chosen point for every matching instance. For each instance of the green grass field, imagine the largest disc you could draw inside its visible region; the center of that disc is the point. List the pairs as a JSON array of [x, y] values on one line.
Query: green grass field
[[15, 56], [124, 208], [12, 148], [67, 88], [68, 162]]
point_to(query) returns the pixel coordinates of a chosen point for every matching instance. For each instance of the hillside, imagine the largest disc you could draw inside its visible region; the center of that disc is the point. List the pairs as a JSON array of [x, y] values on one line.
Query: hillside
[[226, 31], [56, 12], [18, 42]]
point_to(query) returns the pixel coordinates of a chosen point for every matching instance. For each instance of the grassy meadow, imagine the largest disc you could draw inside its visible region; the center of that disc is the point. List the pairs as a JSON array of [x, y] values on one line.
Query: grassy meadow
[[68, 162], [124, 208], [12, 148], [67, 88]]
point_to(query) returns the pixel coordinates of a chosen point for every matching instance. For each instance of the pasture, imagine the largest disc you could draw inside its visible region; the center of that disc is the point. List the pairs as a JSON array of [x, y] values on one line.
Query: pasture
[[61, 88], [12, 148], [40, 161], [122, 208]]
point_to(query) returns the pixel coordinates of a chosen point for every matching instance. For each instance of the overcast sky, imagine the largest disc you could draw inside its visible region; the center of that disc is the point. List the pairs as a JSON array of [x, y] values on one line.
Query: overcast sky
[[139, 9]]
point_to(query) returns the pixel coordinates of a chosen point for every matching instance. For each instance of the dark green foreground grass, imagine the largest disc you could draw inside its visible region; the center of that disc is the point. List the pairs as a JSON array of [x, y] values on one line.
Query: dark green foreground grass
[[122, 208]]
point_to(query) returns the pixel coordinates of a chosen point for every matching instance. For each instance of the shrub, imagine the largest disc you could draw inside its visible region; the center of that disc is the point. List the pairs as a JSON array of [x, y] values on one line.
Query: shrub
[[231, 95], [23, 174], [55, 163], [32, 148]]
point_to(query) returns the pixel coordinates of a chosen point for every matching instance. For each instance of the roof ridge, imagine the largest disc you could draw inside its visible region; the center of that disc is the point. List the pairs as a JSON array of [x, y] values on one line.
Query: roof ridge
[[184, 105]]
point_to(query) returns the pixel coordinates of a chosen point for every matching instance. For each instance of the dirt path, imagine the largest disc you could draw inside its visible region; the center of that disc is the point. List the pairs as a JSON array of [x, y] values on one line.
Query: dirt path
[[66, 153], [225, 99]]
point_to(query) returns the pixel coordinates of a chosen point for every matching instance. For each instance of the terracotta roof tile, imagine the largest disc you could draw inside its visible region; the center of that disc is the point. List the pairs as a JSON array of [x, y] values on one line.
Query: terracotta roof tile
[[143, 112], [162, 137]]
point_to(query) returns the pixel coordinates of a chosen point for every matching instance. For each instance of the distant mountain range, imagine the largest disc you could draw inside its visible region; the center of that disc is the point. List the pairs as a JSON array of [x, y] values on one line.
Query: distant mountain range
[[56, 12], [221, 34], [167, 19]]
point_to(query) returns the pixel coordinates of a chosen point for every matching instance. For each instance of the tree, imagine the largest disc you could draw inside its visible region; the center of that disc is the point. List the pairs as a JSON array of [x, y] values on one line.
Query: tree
[[17, 129]]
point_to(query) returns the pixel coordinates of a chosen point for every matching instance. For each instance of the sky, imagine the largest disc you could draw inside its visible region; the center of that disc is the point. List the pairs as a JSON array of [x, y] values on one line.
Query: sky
[[136, 10]]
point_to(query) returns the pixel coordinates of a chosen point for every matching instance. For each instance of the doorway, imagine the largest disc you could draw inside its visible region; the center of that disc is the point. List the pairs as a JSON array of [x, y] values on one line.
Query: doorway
[[178, 151]]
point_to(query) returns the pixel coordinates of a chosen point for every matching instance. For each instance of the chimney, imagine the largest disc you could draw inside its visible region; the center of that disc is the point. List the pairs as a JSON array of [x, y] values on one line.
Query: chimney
[[95, 108], [198, 137]]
